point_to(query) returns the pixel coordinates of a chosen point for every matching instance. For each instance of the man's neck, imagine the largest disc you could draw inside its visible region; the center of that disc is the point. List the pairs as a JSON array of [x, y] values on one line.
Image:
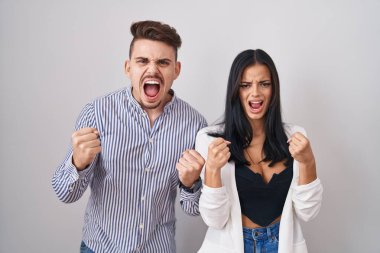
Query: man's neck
[[154, 113]]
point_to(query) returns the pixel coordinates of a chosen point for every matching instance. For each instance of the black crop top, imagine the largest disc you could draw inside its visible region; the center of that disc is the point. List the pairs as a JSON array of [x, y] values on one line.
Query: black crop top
[[262, 203]]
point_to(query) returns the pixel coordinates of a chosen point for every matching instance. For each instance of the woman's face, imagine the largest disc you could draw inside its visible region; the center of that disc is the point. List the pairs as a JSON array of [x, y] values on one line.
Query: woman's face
[[255, 92]]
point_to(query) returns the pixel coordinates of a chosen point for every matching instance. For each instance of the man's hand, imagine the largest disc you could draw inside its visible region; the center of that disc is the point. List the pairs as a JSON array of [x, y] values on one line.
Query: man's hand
[[86, 145], [189, 167]]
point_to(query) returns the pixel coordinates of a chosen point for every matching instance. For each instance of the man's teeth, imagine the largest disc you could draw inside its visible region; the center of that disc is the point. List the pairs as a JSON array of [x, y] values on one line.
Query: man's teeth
[[152, 82]]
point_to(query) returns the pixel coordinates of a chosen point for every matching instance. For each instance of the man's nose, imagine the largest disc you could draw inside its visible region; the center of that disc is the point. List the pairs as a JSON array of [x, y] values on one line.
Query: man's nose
[[152, 67]]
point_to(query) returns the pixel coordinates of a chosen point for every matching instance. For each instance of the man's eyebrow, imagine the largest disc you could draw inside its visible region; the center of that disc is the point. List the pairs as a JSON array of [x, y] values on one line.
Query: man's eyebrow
[[164, 59], [146, 58], [140, 57]]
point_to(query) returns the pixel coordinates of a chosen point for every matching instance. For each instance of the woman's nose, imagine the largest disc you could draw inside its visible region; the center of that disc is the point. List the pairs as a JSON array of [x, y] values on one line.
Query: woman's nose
[[255, 89]]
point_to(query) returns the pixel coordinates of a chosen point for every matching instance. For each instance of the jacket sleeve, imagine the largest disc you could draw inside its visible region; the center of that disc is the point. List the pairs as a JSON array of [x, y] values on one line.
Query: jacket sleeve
[[68, 183], [307, 199], [214, 205]]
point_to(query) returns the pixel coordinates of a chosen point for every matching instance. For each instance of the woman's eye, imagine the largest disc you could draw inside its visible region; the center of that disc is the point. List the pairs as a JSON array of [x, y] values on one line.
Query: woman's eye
[[266, 84], [244, 85]]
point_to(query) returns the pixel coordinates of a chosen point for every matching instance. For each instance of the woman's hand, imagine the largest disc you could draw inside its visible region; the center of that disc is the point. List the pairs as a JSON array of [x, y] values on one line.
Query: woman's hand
[[217, 157], [218, 154], [300, 149]]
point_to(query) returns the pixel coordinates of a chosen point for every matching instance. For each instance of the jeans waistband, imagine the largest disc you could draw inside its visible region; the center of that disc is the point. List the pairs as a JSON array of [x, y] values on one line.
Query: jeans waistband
[[262, 233]]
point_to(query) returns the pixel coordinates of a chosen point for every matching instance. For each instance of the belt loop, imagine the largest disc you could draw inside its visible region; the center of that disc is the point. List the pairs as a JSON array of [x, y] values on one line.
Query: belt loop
[[269, 233]]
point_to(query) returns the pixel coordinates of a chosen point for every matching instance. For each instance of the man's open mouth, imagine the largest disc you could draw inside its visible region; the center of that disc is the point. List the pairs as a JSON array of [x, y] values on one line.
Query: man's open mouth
[[151, 88]]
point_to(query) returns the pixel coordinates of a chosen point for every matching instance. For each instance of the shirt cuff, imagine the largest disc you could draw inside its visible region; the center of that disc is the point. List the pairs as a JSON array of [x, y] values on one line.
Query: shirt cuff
[[76, 174], [194, 194]]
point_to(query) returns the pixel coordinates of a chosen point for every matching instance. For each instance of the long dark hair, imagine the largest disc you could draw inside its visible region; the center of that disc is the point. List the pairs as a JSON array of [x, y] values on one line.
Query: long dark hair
[[237, 128]]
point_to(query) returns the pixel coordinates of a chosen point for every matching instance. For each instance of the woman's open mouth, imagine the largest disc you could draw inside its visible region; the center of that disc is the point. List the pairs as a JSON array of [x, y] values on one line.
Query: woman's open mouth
[[256, 106]]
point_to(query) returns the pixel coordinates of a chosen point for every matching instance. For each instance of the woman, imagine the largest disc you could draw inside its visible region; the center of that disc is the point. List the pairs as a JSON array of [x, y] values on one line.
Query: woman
[[260, 175]]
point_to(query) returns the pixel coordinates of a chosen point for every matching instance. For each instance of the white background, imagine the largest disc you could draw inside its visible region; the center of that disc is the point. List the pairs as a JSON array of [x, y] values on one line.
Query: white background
[[55, 56]]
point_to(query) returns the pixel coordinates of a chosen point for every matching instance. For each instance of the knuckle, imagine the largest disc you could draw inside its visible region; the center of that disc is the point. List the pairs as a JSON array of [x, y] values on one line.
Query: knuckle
[[75, 141], [87, 152]]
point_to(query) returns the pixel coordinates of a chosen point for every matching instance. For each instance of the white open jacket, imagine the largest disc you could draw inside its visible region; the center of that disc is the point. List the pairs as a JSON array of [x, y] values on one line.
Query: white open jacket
[[220, 207]]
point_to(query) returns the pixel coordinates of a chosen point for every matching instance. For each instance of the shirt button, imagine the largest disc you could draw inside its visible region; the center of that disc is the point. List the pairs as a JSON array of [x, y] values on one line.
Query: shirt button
[[151, 140], [141, 226], [147, 169], [142, 198], [71, 188]]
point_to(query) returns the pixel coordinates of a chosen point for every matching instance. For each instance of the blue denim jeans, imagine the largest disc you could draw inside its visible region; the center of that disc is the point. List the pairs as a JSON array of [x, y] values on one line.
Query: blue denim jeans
[[261, 240], [85, 249]]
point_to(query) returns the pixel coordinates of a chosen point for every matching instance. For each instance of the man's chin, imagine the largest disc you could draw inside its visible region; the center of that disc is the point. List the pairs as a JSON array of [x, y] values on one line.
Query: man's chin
[[150, 105]]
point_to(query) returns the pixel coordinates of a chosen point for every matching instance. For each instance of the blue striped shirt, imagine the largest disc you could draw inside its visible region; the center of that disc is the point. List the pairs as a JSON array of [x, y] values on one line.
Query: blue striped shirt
[[133, 180]]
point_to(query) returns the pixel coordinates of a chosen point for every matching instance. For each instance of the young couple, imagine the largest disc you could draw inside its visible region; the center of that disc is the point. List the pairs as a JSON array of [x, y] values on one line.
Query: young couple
[[252, 178]]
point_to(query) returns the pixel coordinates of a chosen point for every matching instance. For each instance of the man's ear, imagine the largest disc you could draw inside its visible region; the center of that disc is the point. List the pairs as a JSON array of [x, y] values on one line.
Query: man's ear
[[177, 69], [127, 67]]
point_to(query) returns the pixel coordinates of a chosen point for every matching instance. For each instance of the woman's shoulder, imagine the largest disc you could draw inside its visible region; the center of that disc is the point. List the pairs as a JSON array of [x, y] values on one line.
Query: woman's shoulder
[[210, 132], [205, 136], [290, 129], [214, 129]]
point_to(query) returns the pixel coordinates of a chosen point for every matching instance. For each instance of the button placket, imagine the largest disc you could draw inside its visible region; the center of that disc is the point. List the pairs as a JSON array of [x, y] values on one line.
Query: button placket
[[144, 191]]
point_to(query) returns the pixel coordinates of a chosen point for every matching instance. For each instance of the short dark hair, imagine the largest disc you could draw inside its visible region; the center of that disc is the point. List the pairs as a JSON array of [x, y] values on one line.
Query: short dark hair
[[237, 128], [154, 30]]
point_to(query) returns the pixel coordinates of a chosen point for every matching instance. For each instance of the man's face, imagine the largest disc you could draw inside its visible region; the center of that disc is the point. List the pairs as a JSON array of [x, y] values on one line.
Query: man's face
[[152, 70]]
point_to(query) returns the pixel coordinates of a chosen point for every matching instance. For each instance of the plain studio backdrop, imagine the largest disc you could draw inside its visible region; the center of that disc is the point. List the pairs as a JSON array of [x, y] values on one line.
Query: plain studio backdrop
[[55, 56]]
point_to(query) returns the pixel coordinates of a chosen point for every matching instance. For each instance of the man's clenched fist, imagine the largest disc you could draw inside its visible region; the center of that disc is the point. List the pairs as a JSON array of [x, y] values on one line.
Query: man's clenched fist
[[86, 145], [189, 167]]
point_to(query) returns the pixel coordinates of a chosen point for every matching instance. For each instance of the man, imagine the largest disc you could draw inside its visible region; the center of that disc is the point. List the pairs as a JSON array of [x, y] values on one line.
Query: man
[[126, 146]]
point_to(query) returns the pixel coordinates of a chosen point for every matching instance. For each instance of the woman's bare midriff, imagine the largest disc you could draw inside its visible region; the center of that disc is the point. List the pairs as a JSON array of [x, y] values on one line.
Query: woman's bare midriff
[[247, 223]]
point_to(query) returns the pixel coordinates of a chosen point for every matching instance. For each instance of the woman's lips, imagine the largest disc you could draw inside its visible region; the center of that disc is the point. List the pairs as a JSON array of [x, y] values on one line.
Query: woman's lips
[[256, 106]]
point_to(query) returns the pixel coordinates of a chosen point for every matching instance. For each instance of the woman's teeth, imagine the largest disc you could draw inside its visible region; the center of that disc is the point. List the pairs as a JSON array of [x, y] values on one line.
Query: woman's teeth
[[255, 104]]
